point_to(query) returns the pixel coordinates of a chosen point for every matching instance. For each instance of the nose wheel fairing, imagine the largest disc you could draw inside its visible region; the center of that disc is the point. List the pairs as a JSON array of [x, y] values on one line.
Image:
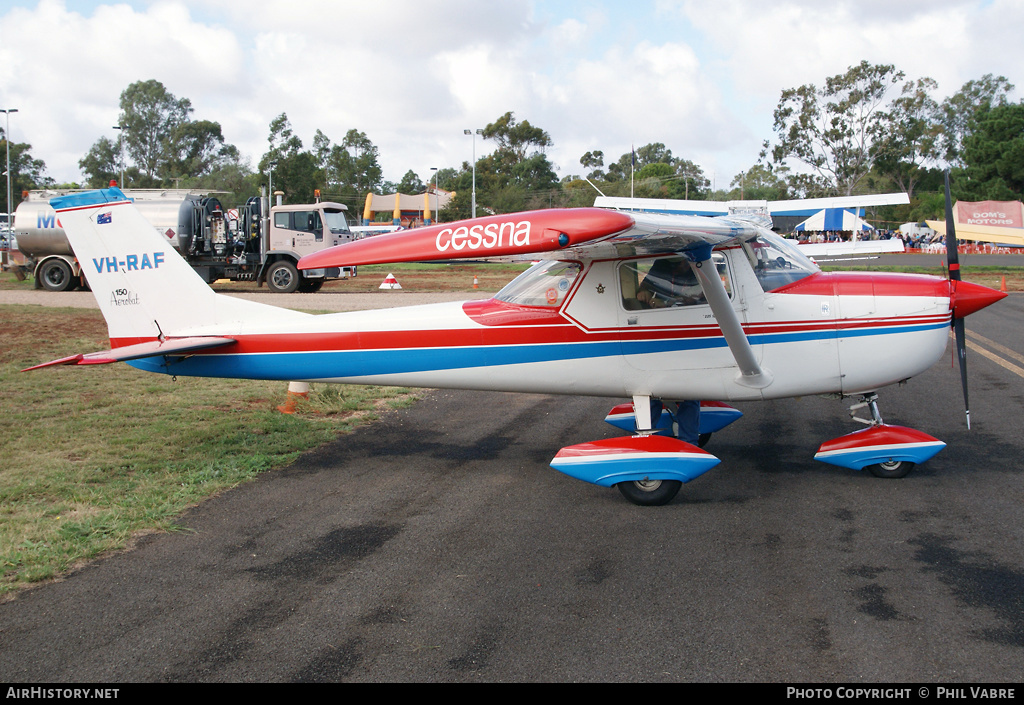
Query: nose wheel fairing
[[879, 445]]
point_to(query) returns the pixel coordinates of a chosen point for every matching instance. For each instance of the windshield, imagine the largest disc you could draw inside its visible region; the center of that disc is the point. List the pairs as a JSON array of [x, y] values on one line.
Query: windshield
[[335, 221], [777, 262], [544, 284]]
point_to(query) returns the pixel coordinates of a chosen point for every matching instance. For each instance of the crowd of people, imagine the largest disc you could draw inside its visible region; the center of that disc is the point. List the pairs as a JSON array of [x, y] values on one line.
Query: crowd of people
[[925, 240]]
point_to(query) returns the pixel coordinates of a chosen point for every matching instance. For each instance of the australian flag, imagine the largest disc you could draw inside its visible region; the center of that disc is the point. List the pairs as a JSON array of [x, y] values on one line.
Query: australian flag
[[103, 218]]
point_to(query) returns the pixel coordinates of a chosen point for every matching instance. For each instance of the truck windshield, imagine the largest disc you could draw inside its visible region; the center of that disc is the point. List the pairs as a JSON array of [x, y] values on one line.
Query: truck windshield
[[335, 221]]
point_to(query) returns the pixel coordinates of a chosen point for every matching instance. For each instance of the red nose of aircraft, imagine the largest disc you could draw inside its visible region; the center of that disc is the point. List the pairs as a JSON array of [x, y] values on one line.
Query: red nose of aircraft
[[965, 298]]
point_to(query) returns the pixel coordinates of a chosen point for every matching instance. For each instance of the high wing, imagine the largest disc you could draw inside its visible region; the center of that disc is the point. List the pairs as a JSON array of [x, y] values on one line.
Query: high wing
[[581, 232], [584, 233]]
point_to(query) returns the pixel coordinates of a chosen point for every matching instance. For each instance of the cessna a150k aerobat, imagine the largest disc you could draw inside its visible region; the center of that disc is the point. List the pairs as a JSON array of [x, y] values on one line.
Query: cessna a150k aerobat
[[648, 307]]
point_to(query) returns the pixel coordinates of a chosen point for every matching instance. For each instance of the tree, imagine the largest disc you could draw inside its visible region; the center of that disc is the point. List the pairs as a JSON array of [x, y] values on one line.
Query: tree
[[411, 184], [195, 148], [295, 171], [760, 183], [27, 173], [960, 112], [101, 163], [994, 155], [352, 168], [517, 175], [906, 137], [149, 117], [516, 138], [830, 129], [594, 161]]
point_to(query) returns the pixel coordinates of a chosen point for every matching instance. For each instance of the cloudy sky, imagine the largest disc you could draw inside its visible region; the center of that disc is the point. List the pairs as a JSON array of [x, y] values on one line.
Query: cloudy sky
[[701, 76]]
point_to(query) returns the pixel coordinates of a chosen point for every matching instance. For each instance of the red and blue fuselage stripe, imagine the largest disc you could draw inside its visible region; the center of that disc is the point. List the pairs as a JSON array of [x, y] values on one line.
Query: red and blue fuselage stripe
[[344, 355]]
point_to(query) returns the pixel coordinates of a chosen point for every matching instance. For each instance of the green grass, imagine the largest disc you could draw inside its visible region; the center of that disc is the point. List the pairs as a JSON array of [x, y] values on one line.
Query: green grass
[[93, 456]]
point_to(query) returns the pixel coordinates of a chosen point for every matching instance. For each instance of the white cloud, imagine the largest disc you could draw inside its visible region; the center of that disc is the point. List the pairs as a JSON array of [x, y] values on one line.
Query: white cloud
[[701, 77]]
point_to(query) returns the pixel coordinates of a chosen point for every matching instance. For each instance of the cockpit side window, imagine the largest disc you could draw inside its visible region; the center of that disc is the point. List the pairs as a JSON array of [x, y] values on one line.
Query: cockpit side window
[[665, 282]]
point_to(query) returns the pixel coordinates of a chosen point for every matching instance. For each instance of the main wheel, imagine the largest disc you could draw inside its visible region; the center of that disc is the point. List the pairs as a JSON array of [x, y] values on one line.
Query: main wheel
[[55, 275], [283, 277], [892, 469], [650, 493], [310, 286], [702, 439]]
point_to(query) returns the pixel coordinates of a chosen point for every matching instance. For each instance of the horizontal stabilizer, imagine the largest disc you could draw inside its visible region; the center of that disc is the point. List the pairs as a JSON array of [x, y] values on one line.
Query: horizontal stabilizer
[[152, 348]]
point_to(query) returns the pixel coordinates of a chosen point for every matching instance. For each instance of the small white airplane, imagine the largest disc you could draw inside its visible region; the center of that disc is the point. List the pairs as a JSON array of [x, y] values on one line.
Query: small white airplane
[[641, 306]]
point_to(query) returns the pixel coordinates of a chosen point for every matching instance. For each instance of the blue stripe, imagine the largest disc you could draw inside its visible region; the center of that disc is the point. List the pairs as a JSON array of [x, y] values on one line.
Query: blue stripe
[[89, 198], [359, 363]]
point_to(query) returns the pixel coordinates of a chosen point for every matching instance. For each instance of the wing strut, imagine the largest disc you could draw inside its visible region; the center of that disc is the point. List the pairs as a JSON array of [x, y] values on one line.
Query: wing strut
[[751, 373]]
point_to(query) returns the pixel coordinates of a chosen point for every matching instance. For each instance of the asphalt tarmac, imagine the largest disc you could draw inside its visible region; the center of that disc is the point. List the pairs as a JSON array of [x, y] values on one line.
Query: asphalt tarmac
[[438, 546]]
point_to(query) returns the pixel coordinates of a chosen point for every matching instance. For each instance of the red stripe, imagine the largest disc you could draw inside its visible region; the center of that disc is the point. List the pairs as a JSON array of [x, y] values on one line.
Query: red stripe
[[867, 284]]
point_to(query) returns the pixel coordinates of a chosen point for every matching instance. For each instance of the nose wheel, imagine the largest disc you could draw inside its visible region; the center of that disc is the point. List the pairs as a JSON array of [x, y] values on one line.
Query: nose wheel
[[893, 469]]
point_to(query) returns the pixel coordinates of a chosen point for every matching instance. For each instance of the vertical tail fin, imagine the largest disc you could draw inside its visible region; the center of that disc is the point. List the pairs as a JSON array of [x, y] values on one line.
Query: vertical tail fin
[[142, 285]]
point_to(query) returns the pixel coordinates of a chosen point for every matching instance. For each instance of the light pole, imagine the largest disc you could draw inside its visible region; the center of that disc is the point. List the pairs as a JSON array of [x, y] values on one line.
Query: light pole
[[474, 133], [436, 202], [7, 136], [120, 151]]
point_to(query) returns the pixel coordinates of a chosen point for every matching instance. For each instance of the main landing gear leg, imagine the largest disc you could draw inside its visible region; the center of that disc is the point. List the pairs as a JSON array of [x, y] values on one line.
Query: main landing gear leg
[[646, 491]]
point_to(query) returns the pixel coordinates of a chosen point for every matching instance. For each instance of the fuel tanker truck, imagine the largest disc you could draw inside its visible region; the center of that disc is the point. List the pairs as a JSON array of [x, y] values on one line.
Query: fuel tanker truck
[[253, 243]]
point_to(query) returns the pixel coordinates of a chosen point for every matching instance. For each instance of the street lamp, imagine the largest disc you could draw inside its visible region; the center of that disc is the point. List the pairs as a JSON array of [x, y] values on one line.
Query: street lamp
[[474, 133], [7, 135], [436, 202], [120, 151]]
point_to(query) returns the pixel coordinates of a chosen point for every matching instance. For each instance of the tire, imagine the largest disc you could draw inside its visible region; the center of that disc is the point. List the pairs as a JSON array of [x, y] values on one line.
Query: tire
[[650, 493], [702, 439], [891, 470], [55, 275], [282, 277], [310, 286]]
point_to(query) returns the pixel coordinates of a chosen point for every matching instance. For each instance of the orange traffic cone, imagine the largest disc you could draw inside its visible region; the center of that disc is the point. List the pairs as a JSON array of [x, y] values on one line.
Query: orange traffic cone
[[1002, 284], [296, 391], [476, 284]]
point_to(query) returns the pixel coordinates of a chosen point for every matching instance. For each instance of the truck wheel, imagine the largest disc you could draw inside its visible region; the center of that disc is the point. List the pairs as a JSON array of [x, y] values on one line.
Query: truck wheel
[[283, 277], [55, 275]]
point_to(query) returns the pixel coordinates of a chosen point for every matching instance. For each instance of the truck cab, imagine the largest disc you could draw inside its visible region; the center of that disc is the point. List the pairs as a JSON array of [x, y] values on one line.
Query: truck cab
[[298, 230]]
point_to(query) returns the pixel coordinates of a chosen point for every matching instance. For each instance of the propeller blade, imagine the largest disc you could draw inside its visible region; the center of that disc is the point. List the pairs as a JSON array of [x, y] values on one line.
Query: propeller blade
[[952, 256], [961, 353], [953, 261]]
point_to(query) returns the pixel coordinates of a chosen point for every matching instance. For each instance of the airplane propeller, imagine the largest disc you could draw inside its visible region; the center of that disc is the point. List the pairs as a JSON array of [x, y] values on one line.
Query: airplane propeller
[[953, 262]]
